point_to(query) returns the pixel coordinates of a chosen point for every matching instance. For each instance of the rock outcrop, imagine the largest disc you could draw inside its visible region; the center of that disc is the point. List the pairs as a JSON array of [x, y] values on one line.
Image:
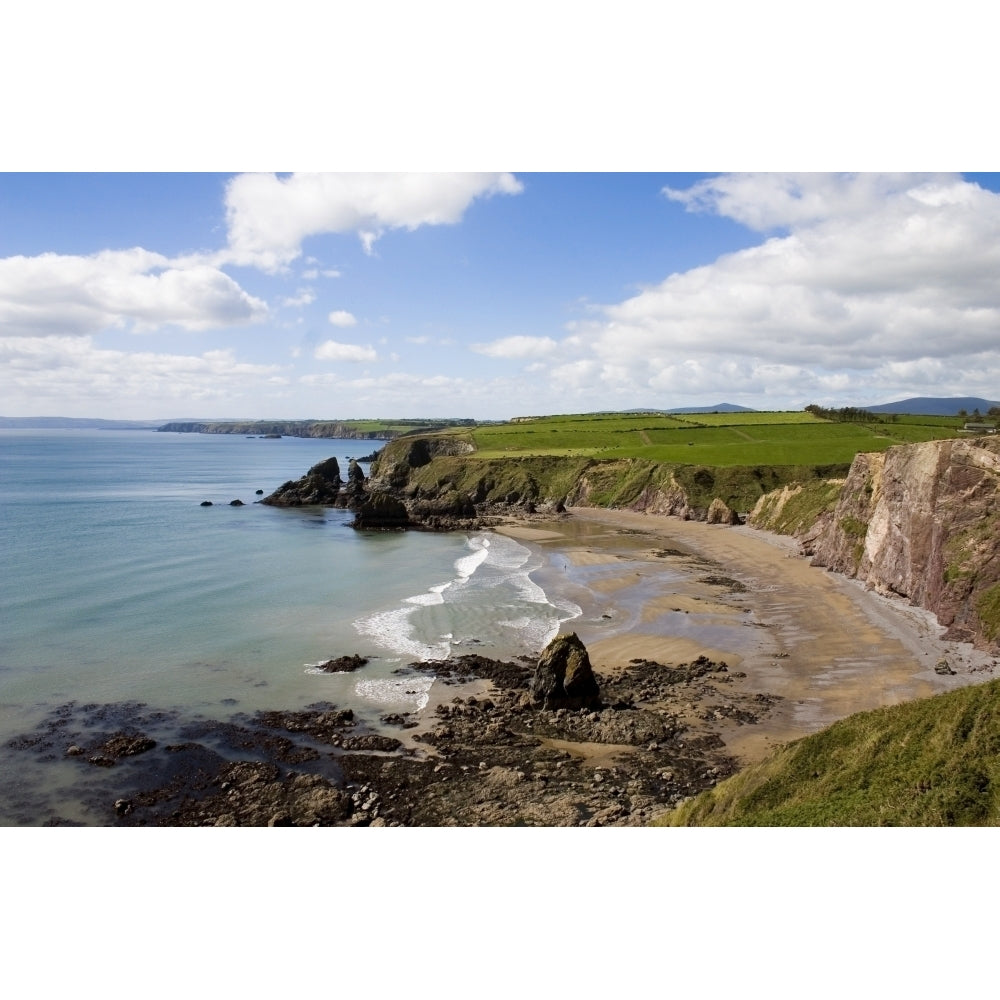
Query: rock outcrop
[[923, 521], [720, 513], [381, 511], [320, 485], [563, 677]]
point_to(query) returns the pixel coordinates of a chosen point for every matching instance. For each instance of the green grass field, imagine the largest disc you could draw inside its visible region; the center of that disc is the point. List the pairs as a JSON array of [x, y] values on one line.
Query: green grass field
[[714, 439]]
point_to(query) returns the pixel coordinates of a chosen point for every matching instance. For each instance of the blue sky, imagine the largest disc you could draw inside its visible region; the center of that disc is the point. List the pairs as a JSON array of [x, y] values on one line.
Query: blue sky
[[492, 295]]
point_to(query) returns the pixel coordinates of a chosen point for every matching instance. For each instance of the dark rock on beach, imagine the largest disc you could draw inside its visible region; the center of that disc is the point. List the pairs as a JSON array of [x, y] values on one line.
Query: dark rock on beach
[[564, 677]]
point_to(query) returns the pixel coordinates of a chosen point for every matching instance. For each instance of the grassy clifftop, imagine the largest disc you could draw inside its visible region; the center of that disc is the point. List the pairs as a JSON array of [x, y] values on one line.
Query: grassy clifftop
[[671, 464], [932, 762]]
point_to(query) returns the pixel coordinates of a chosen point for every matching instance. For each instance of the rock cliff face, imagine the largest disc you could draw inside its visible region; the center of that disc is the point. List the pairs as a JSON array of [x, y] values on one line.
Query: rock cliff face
[[923, 521]]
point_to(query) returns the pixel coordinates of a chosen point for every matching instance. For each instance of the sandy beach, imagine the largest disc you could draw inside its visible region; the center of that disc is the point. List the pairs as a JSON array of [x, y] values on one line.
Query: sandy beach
[[660, 588]]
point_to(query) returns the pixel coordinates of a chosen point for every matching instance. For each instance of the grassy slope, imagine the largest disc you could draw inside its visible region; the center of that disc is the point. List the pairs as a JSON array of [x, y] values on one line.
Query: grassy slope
[[932, 762]]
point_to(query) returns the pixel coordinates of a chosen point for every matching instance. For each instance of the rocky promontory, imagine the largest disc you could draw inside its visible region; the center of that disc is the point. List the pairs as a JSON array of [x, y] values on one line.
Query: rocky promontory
[[320, 486]]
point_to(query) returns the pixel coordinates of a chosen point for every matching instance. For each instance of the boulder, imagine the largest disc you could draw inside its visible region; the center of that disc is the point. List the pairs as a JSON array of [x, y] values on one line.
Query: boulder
[[342, 664], [380, 511], [720, 513], [564, 677]]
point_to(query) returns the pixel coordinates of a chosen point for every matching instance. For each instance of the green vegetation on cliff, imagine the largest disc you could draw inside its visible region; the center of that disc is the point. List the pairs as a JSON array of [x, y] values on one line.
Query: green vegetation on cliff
[[932, 762], [645, 461], [797, 509]]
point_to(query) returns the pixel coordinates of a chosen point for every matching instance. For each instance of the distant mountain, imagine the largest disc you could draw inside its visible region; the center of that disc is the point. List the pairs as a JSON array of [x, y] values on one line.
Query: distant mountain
[[75, 423], [931, 406], [720, 408]]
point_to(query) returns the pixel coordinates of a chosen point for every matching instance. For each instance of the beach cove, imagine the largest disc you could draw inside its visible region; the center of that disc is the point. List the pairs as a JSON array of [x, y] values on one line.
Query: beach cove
[[168, 672], [655, 587]]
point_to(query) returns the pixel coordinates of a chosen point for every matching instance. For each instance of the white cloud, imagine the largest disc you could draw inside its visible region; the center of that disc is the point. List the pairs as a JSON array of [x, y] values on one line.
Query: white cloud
[[878, 276], [771, 200], [40, 372], [332, 350], [517, 347], [131, 289], [303, 297], [269, 216], [341, 317]]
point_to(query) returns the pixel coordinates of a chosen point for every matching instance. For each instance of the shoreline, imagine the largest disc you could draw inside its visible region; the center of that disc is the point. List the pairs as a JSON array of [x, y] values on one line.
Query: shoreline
[[820, 642], [711, 645]]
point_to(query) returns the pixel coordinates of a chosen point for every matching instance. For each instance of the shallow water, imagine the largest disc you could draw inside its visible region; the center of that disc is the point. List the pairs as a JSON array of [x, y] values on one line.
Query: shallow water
[[118, 587]]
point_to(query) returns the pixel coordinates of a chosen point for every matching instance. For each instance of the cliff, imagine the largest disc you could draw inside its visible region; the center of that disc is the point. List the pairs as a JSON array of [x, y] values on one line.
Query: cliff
[[923, 521], [435, 471]]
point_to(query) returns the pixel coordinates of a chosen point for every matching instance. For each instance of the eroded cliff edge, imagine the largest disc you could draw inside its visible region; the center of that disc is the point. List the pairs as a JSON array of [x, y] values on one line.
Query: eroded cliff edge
[[923, 521]]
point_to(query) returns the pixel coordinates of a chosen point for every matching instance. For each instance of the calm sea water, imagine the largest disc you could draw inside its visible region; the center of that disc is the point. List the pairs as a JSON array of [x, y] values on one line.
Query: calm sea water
[[117, 586]]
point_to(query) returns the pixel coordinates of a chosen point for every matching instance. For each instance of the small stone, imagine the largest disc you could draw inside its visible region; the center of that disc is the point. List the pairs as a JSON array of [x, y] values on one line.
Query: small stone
[[74, 751]]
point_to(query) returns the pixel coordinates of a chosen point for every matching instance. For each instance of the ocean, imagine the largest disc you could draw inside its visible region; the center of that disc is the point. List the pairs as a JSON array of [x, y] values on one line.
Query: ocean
[[118, 587]]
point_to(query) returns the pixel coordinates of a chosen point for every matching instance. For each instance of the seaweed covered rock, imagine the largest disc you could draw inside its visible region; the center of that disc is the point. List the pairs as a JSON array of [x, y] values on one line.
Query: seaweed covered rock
[[564, 677], [320, 486]]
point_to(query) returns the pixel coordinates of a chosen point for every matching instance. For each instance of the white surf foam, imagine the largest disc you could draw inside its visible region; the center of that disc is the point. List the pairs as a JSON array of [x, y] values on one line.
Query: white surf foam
[[411, 691], [491, 601], [467, 565], [393, 630]]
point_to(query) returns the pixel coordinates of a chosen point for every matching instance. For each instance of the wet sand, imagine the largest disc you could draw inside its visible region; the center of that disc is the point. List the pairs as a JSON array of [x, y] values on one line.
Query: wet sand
[[660, 588]]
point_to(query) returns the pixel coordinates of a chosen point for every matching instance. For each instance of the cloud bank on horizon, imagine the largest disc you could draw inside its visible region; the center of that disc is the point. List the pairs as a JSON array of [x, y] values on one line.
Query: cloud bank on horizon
[[490, 295]]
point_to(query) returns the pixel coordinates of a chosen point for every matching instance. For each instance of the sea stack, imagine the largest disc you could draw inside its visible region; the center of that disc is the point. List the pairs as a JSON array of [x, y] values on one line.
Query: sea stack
[[563, 677]]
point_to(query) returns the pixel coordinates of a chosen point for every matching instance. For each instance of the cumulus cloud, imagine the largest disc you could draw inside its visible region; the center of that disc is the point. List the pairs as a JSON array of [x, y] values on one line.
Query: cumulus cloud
[[517, 347], [341, 317], [115, 289], [269, 216], [332, 350], [876, 276], [36, 370], [770, 201]]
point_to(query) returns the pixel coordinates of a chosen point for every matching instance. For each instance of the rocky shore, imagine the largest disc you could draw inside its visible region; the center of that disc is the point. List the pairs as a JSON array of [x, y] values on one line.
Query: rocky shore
[[505, 750]]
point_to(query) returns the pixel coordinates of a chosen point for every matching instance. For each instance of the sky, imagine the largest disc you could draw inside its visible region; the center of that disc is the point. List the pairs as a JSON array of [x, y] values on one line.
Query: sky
[[491, 295]]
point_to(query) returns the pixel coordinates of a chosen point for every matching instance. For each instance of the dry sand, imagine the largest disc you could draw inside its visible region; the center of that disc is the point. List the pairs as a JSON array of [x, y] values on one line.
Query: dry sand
[[654, 587]]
